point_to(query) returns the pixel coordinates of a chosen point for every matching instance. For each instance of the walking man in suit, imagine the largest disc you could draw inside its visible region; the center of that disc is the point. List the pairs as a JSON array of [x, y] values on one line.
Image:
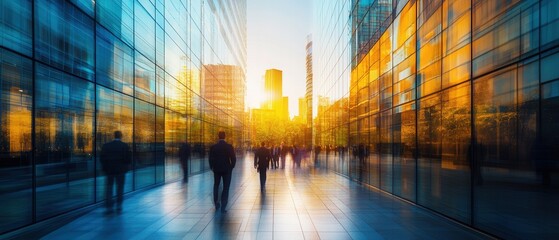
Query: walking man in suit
[[262, 157], [115, 162], [275, 156], [184, 155], [222, 161], [284, 150]]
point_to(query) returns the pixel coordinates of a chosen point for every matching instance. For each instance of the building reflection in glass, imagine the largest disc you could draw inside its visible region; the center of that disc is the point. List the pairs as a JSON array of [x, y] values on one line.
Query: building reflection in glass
[[456, 102], [72, 72]]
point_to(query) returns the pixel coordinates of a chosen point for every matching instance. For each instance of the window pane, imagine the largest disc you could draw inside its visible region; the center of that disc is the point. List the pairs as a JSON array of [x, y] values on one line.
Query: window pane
[[547, 164], [386, 151], [430, 190], [118, 17], [374, 151], [404, 151], [496, 137], [115, 62], [454, 165], [175, 133], [496, 34], [144, 32], [85, 5], [530, 27], [160, 87], [64, 124], [145, 79], [160, 47], [144, 144], [550, 23], [549, 68], [64, 37], [15, 26], [16, 91], [160, 145]]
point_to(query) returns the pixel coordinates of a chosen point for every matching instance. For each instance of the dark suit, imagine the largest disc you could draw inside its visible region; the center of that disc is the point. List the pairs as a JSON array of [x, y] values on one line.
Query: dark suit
[[262, 157], [184, 155], [222, 161], [284, 151], [115, 161], [275, 157]]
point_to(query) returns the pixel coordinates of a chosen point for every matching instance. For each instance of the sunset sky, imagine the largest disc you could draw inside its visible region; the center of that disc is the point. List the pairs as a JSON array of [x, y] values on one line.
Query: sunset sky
[[277, 35]]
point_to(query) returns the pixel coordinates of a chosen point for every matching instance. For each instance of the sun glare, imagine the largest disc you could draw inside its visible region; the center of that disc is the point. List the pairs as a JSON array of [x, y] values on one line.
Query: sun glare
[[255, 96]]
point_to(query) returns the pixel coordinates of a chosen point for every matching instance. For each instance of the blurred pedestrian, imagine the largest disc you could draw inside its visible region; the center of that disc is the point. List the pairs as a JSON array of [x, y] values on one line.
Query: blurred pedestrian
[[276, 152], [222, 161], [283, 154], [184, 155], [262, 157], [115, 162]]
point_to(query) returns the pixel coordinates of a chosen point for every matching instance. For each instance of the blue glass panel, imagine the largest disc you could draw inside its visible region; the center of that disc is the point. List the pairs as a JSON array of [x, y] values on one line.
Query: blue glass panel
[[118, 17], [144, 79], [115, 62], [160, 144], [160, 47], [144, 144], [64, 37], [149, 5], [160, 87], [88, 6], [550, 23], [64, 124], [16, 91], [15, 26], [144, 32], [548, 68]]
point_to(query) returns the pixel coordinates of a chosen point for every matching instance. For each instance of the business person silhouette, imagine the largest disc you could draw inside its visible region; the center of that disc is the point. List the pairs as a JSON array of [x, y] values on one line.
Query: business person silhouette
[[184, 155], [222, 161], [115, 162], [262, 157]]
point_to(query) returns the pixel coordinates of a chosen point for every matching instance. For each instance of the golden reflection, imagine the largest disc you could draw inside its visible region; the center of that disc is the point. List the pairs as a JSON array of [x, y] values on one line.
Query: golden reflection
[[18, 122]]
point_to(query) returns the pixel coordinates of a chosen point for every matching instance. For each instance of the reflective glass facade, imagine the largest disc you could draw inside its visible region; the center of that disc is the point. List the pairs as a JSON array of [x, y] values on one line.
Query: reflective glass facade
[[74, 71], [452, 105]]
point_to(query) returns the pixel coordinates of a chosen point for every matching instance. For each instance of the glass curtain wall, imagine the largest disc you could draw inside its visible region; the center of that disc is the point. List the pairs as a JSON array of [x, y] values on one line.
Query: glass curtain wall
[[455, 103], [72, 72]]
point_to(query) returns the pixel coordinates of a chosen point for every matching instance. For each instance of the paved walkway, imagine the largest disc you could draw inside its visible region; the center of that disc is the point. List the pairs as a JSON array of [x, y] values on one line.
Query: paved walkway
[[305, 203]]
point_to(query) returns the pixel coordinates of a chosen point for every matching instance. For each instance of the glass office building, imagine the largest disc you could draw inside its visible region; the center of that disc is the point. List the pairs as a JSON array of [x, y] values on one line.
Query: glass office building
[[452, 105], [74, 71]]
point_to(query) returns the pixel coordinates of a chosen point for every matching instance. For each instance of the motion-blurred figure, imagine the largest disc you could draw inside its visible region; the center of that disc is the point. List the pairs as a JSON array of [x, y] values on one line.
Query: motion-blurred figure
[[262, 157], [184, 155], [115, 162], [222, 161]]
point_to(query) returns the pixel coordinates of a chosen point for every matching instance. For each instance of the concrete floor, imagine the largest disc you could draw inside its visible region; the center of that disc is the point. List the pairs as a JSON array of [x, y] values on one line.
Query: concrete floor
[[299, 203]]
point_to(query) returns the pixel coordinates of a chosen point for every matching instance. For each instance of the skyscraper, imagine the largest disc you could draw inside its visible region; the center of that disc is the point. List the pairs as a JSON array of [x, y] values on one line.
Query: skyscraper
[[303, 110], [273, 88], [273, 85], [223, 86], [309, 93]]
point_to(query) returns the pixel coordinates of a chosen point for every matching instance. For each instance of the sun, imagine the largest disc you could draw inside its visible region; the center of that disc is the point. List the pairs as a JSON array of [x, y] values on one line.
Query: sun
[[255, 95]]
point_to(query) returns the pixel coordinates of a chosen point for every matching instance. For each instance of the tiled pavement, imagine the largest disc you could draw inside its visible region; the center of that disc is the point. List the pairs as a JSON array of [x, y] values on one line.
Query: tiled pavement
[[305, 203]]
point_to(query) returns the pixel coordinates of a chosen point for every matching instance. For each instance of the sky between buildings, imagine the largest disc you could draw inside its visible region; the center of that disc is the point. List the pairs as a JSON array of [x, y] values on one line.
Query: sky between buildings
[[277, 36]]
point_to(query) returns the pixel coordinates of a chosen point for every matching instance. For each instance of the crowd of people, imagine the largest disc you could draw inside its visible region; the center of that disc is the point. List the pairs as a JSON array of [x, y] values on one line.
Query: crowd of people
[[116, 161]]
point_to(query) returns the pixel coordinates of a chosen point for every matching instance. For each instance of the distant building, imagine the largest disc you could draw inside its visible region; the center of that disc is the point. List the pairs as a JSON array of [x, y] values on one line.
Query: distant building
[[273, 88], [308, 94], [303, 110], [273, 85], [224, 87]]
